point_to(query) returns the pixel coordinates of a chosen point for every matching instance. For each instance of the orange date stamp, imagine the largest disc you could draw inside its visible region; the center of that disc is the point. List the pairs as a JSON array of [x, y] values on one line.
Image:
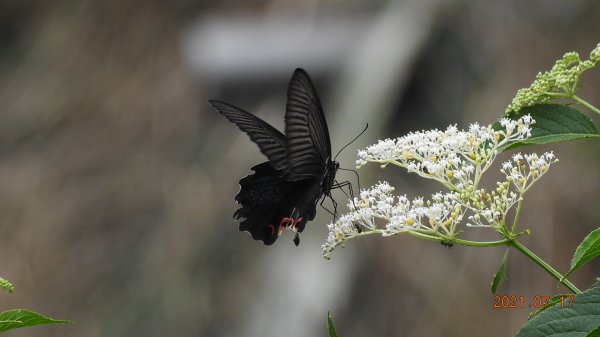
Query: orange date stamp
[[536, 302]]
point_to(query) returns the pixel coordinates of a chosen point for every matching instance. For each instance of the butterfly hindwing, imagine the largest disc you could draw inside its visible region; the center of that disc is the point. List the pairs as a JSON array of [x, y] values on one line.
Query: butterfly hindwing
[[268, 202]]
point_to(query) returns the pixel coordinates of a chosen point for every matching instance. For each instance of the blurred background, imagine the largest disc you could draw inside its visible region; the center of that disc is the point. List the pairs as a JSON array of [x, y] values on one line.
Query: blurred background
[[117, 179]]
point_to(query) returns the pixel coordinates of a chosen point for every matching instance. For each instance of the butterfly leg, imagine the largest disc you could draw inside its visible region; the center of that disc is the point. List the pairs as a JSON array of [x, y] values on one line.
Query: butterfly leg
[[335, 204], [341, 187], [350, 190], [356, 174], [325, 208], [351, 194]]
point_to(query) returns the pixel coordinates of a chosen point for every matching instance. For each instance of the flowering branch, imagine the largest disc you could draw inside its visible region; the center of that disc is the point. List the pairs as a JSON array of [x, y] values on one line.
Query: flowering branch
[[457, 159], [561, 81]]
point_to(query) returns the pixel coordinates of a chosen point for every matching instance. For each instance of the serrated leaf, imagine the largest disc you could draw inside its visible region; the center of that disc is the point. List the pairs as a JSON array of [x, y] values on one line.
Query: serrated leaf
[[499, 274], [19, 318], [581, 318], [553, 123], [588, 249], [330, 326]]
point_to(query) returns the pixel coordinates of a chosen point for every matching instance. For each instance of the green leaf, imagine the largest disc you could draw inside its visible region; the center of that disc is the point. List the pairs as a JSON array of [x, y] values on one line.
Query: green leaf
[[499, 274], [19, 318], [553, 123], [549, 304], [330, 326], [588, 249], [594, 333], [583, 317]]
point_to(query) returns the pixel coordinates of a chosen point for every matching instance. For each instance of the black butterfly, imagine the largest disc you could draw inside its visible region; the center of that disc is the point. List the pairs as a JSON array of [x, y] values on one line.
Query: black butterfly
[[284, 191]]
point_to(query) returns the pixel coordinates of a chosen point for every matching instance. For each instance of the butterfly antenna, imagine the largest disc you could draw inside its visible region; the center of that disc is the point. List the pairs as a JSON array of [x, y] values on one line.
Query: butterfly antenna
[[352, 141]]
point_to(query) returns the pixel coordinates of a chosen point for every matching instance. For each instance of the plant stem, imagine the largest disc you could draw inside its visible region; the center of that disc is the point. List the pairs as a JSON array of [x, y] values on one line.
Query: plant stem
[[440, 239], [460, 241], [516, 220], [586, 104], [544, 266], [511, 242]]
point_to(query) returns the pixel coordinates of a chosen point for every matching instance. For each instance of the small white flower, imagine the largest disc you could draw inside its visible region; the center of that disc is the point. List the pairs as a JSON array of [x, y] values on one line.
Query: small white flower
[[517, 157]]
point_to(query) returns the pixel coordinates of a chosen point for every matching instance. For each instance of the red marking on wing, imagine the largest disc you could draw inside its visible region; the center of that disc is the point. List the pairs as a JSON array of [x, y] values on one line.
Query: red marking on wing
[[290, 223]]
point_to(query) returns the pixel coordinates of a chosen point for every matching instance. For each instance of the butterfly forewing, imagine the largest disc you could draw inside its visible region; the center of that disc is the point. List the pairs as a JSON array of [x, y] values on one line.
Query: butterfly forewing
[[270, 141], [308, 144]]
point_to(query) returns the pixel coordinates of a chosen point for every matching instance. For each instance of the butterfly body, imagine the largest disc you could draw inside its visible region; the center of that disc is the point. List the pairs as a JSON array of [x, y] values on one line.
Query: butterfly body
[[283, 192]]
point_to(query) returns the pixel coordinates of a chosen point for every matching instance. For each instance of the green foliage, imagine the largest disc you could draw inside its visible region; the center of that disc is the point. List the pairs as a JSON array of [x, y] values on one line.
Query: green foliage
[[594, 333], [581, 319], [560, 298], [499, 274], [554, 123], [588, 249], [4, 284], [330, 326], [559, 82], [19, 318]]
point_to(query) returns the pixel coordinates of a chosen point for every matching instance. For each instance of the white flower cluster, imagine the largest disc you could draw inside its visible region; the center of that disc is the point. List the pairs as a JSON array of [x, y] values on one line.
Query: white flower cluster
[[490, 209], [521, 173], [455, 158], [452, 157], [524, 170], [438, 216]]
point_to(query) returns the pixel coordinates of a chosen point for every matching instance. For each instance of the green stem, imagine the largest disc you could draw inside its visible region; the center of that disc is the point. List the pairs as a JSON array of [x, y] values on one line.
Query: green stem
[[516, 220], [511, 242], [544, 266], [477, 176], [586, 104], [462, 242], [440, 239]]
